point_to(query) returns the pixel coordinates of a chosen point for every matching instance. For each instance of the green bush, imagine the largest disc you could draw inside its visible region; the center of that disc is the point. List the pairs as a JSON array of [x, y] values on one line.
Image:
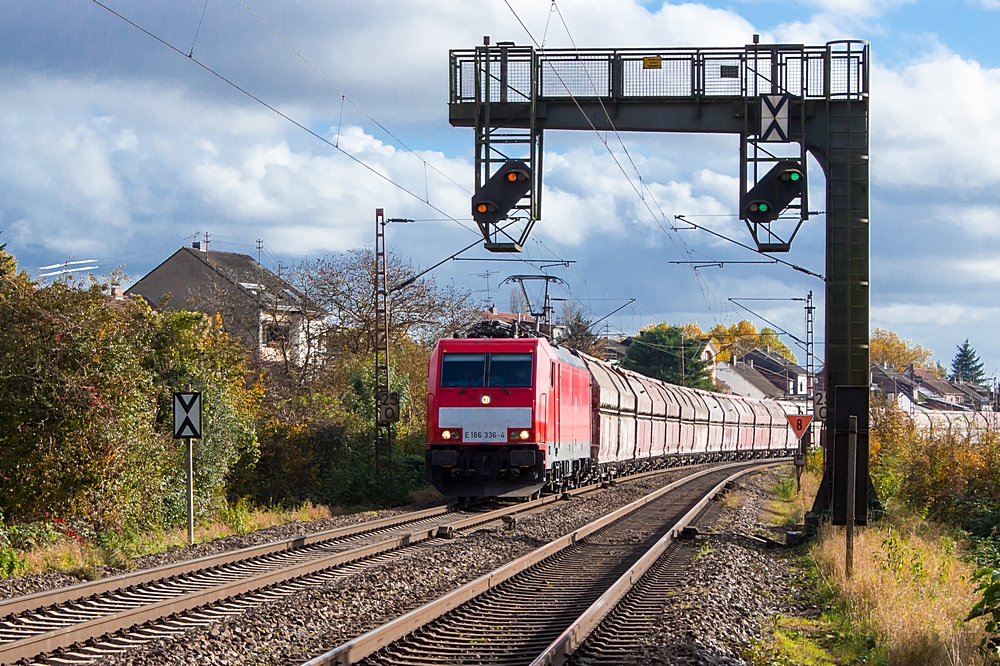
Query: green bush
[[85, 407]]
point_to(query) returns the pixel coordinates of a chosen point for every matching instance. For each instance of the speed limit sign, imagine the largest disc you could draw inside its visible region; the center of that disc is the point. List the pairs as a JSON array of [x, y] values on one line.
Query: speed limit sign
[[819, 405], [388, 407]]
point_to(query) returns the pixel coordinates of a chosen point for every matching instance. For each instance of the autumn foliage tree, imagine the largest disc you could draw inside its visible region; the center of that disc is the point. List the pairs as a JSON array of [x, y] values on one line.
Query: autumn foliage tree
[[737, 339], [317, 424], [85, 400], [887, 348]]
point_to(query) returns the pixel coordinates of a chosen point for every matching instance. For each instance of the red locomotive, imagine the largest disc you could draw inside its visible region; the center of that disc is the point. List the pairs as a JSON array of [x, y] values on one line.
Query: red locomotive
[[511, 416]]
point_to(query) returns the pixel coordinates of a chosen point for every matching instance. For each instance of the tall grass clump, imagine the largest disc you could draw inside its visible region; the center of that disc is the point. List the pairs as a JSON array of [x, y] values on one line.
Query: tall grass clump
[[911, 590], [915, 579]]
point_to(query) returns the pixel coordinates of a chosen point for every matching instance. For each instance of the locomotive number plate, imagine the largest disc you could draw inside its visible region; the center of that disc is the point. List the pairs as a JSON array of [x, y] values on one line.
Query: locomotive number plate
[[484, 436]]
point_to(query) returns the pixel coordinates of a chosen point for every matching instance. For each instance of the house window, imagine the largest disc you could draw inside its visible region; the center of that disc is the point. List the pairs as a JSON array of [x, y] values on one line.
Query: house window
[[275, 334]]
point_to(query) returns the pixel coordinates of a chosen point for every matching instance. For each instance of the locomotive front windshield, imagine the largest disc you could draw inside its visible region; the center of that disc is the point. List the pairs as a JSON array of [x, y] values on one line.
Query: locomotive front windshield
[[463, 369], [477, 370], [510, 370]]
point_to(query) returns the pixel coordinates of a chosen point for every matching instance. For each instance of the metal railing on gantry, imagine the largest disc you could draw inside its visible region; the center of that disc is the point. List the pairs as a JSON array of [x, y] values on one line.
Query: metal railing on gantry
[[838, 70]]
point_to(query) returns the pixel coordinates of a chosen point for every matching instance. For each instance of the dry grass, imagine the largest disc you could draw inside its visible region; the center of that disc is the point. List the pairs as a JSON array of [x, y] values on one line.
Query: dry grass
[[789, 505], [733, 498], [909, 590], [81, 558]]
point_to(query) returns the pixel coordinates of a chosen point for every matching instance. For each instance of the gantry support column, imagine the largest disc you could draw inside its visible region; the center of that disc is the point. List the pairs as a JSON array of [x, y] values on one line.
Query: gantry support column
[[846, 165]]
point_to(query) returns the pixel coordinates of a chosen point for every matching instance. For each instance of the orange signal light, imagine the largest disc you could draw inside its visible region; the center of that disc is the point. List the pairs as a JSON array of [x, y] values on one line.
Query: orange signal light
[[512, 176], [482, 208]]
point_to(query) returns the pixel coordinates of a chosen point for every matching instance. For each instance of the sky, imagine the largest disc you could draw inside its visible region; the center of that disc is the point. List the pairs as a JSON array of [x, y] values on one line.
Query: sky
[[120, 149]]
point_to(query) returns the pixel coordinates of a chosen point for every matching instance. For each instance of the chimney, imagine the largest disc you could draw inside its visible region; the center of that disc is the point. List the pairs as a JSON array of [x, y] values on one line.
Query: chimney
[[118, 293]]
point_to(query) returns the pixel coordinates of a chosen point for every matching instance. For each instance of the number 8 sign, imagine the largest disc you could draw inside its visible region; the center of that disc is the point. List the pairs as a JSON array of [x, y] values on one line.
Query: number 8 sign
[[799, 423]]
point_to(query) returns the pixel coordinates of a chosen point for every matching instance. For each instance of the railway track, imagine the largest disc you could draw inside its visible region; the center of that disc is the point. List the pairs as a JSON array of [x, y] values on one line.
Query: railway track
[[541, 607], [78, 624]]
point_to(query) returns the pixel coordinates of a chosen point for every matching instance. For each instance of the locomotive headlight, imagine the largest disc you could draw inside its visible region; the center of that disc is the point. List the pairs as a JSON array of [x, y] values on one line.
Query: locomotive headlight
[[450, 434], [485, 399], [523, 434], [446, 434]]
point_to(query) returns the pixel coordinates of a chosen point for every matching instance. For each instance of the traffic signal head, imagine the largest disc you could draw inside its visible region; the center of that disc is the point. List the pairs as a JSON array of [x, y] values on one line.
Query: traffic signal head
[[773, 192], [791, 176], [501, 192]]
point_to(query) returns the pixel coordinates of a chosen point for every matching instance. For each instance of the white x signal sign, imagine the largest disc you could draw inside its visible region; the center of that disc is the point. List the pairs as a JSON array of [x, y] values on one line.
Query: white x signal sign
[[774, 118], [799, 423], [187, 415]]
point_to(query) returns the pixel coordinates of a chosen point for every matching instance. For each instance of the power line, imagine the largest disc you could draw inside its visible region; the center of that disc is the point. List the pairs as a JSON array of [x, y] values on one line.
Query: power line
[[638, 190], [280, 113], [353, 103]]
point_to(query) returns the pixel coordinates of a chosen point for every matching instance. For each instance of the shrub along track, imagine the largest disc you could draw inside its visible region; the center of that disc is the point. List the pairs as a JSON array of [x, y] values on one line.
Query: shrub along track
[[78, 624], [539, 608]]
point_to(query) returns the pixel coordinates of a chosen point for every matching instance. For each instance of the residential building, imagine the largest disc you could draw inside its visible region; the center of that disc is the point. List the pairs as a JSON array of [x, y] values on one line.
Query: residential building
[[745, 380], [258, 307], [790, 378], [930, 387], [554, 331]]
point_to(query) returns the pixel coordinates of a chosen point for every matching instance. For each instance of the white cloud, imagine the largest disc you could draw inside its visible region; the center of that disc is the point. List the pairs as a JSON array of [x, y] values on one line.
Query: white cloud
[[944, 314], [936, 123], [863, 8], [587, 194], [980, 220]]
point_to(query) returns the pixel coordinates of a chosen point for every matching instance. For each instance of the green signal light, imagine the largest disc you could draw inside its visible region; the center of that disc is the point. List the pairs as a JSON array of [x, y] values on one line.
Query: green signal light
[[794, 176], [762, 207]]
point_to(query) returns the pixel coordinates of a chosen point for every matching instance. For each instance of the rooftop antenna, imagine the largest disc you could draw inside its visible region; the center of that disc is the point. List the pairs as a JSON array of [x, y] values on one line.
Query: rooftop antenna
[[208, 237], [486, 275], [260, 245]]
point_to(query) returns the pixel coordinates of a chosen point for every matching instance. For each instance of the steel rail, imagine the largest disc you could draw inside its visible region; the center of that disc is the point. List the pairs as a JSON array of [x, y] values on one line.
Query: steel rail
[[575, 634], [18, 605], [109, 622], [365, 645]]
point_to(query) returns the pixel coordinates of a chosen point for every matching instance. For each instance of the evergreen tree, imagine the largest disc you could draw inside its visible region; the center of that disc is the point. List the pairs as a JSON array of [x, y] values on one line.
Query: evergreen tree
[[580, 337], [966, 366], [656, 352]]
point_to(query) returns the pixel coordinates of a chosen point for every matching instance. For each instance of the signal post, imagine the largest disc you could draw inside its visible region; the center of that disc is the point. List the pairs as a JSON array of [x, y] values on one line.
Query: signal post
[[784, 101]]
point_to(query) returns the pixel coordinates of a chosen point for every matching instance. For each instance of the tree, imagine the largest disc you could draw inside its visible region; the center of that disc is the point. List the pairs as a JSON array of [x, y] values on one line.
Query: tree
[[578, 333], [85, 403], [657, 351], [739, 338], [517, 304], [966, 366], [318, 418], [887, 348], [344, 287]]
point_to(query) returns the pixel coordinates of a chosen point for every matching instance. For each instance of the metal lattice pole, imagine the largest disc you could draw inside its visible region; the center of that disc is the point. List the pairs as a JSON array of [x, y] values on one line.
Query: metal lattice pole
[[383, 430]]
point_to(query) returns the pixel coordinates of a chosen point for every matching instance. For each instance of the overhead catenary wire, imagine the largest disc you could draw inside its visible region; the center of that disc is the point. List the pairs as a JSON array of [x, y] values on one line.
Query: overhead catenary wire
[[336, 145], [345, 97], [702, 284], [198, 30], [276, 111], [638, 190]]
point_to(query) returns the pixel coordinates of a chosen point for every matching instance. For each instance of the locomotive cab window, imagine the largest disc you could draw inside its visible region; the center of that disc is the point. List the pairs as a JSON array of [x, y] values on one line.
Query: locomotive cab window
[[463, 370], [510, 370]]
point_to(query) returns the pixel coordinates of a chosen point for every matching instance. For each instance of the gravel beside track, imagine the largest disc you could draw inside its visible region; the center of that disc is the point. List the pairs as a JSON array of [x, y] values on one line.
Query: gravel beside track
[[307, 623], [729, 593], [20, 586]]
